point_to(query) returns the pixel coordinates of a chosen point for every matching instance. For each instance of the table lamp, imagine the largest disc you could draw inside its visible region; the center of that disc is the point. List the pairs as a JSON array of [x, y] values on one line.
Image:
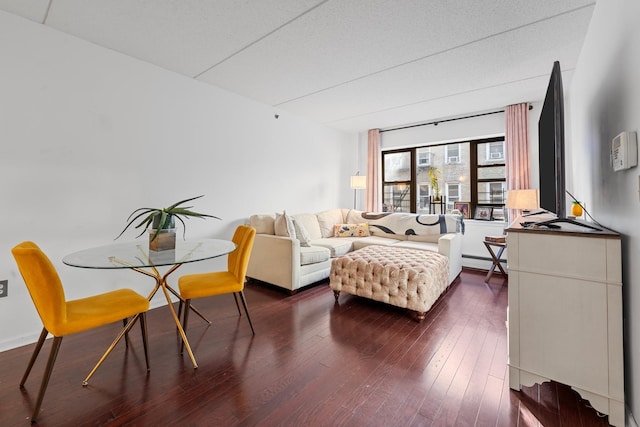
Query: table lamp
[[358, 182], [523, 200]]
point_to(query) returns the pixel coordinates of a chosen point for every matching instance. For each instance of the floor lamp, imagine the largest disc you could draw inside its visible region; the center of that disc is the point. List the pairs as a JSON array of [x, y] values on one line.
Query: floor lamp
[[358, 182]]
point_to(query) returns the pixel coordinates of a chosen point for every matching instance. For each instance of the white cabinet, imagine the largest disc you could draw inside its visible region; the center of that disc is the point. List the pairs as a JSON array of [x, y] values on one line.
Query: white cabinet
[[565, 313]]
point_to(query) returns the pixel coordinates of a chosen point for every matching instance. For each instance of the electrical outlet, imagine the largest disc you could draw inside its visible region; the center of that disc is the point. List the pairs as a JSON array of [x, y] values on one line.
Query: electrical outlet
[[4, 288]]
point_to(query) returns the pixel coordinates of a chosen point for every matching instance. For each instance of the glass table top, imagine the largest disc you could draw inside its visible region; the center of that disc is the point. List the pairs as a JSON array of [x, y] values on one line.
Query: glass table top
[[136, 254]]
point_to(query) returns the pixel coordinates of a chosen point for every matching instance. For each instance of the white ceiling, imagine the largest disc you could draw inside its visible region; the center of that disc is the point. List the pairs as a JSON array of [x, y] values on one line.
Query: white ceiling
[[350, 64]]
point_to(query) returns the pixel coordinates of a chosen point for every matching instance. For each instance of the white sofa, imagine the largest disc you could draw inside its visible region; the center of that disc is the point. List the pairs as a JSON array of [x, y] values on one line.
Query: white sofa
[[293, 251]]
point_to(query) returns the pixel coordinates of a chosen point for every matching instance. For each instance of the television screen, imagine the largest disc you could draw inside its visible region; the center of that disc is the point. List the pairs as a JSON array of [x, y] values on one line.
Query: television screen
[[551, 147]]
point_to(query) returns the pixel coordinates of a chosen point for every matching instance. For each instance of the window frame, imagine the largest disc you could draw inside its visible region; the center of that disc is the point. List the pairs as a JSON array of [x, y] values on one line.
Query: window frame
[[409, 183], [474, 168], [492, 164]]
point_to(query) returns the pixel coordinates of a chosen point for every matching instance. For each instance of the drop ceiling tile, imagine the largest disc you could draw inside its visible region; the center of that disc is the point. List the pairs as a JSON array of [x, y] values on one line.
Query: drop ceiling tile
[[340, 62], [184, 36], [34, 10], [339, 42], [520, 55]]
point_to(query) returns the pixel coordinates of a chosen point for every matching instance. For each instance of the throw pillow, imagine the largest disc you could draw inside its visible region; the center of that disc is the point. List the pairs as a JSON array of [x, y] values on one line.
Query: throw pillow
[[301, 234], [351, 230], [284, 225], [264, 224]]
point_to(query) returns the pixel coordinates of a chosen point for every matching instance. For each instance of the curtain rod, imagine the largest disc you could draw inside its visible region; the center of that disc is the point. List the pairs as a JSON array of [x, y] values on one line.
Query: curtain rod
[[437, 122]]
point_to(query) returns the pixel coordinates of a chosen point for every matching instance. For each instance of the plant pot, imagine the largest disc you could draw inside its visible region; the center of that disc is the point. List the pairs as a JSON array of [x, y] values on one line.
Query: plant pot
[[163, 241], [169, 222], [162, 257]]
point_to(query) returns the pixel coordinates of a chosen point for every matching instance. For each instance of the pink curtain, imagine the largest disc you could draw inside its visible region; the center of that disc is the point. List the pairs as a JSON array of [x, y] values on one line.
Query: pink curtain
[[373, 174], [517, 148]]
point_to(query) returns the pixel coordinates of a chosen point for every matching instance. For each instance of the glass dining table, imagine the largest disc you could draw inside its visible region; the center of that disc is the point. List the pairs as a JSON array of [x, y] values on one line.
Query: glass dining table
[[136, 256]]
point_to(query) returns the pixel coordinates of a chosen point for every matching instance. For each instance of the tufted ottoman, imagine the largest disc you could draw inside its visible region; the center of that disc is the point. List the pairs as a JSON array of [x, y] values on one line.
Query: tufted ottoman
[[407, 278]]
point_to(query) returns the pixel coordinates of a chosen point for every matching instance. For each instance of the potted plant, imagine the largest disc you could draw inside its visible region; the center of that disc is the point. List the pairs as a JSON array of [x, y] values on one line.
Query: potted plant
[[435, 187], [162, 223]]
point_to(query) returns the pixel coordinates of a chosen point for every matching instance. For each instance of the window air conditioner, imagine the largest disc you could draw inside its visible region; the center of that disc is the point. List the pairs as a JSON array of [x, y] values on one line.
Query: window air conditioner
[[453, 159], [495, 156]]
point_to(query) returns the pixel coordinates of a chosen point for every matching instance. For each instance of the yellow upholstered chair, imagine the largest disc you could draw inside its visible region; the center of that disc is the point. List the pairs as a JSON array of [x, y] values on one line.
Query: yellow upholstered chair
[[221, 282], [60, 317]]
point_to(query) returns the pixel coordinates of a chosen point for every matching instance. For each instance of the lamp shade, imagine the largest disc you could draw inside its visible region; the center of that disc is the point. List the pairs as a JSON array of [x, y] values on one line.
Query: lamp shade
[[358, 182], [522, 199]]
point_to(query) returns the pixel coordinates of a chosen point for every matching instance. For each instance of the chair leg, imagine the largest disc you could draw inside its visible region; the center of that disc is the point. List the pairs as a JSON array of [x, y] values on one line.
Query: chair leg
[[187, 309], [111, 347], [47, 374], [34, 356], [126, 335], [179, 309], [235, 298], [143, 327], [246, 310], [195, 310]]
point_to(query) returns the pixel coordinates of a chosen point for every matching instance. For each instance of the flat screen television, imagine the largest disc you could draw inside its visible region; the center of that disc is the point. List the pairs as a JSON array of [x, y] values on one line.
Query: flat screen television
[[551, 158], [551, 147]]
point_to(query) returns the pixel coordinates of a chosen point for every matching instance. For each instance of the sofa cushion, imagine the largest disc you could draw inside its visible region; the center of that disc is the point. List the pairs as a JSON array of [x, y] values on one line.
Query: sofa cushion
[[354, 217], [337, 246], [301, 233], [361, 242], [412, 224], [284, 225], [313, 254], [423, 246], [351, 230], [429, 238], [376, 232], [264, 224], [310, 223], [327, 219]]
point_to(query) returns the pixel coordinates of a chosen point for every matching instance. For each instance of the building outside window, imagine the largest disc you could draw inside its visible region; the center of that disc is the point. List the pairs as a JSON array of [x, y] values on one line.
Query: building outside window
[[495, 151], [453, 194], [452, 153], [424, 192], [470, 171], [424, 156], [397, 181]]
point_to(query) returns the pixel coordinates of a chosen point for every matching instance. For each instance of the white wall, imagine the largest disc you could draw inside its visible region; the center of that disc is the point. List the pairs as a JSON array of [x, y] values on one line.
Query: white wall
[[605, 101], [88, 135], [461, 130]]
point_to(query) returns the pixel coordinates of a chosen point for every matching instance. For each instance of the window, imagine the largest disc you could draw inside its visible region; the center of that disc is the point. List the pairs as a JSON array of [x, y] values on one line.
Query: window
[[495, 151], [397, 181], [424, 156], [452, 153], [463, 171], [453, 194], [424, 191], [491, 176]]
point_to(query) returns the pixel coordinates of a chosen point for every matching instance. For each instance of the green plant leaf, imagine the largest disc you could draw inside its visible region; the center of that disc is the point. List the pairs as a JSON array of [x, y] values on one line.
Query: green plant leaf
[[175, 210], [183, 201]]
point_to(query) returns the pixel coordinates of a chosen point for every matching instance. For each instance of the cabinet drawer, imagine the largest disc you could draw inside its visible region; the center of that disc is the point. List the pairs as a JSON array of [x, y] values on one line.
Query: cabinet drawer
[[595, 259]]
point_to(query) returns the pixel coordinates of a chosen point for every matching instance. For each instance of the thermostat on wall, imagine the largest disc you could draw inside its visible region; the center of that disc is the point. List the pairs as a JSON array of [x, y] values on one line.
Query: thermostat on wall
[[624, 151]]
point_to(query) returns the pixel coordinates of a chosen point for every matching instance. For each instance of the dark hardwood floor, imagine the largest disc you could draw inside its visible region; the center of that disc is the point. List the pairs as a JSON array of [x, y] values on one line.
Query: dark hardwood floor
[[311, 363]]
